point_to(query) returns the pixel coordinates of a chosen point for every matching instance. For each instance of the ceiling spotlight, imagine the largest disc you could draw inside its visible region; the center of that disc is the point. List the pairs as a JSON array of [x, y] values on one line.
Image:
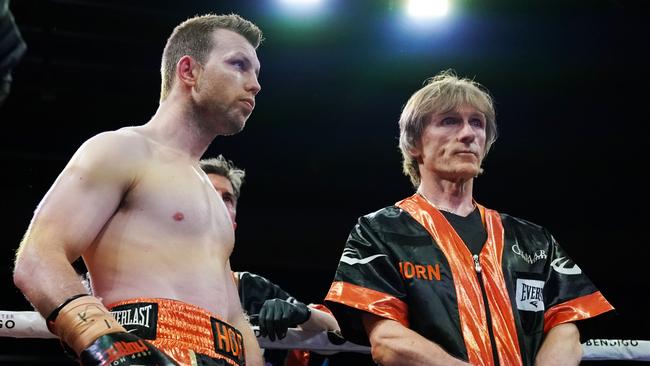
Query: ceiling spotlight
[[301, 8], [427, 9], [300, 2]]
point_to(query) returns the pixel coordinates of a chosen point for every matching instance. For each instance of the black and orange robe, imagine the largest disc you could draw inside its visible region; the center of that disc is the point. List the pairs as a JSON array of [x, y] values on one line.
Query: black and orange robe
[[407, 263]]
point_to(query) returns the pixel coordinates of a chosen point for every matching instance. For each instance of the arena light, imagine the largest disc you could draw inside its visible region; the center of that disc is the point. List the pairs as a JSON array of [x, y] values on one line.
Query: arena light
[[427, 9], [299, 6], [301, 2]]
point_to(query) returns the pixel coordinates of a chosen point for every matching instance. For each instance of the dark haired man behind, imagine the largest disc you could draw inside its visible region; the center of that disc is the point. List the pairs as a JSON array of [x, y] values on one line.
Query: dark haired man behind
[[271, 308]]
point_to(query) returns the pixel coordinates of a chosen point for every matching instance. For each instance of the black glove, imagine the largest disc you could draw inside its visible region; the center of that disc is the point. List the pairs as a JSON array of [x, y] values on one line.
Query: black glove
[[277, 315], [124, 349]]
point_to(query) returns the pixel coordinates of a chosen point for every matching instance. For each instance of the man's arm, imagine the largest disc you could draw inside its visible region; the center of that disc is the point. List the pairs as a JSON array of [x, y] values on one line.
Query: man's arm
[[279, 310], [561, 346], [319, 320], [69, 218], [394, 344]]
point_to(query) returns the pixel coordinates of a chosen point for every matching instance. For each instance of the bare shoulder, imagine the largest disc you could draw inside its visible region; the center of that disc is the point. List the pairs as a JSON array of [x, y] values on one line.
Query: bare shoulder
[[123, 142], [126, 145], [111, 155]]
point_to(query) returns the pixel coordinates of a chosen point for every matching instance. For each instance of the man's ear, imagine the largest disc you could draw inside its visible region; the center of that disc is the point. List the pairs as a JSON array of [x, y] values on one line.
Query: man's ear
[[187, 71], [415, 153]]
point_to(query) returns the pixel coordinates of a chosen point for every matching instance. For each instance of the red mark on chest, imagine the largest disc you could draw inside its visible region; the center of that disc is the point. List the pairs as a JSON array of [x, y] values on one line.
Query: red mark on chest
[[178, 216]]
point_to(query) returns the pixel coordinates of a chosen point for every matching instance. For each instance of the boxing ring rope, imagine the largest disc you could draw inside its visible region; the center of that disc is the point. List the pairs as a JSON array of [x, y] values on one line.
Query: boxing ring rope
[[30, 324]]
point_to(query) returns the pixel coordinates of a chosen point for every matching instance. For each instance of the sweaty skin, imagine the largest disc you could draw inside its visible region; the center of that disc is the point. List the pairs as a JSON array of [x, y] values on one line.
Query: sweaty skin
[[139, 210], [167, 233]]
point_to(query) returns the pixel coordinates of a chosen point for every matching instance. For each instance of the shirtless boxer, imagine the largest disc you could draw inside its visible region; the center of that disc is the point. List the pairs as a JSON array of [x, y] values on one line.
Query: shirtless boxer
[[155, 235]]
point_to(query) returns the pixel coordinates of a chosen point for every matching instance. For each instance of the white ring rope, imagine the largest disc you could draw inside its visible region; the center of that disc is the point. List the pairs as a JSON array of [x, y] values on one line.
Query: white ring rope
[[30, 324]]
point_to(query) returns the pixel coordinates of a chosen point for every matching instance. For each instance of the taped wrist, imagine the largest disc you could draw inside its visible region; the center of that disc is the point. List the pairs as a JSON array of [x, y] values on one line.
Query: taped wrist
[[82, 321], [52, 317]]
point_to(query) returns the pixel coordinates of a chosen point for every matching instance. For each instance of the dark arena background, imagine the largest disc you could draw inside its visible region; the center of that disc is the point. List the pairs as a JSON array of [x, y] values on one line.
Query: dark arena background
[[570, 81]]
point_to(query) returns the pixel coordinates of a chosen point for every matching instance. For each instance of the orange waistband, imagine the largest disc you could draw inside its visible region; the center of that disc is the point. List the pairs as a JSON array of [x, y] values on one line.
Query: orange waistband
[[178, 327]]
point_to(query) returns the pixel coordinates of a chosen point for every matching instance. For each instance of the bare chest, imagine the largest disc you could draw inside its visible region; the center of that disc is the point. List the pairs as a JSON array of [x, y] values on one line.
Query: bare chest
[[179, 200]]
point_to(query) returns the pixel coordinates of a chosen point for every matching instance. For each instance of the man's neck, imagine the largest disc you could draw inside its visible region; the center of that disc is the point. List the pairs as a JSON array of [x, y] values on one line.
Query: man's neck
[[454, 197], [176, 127]]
